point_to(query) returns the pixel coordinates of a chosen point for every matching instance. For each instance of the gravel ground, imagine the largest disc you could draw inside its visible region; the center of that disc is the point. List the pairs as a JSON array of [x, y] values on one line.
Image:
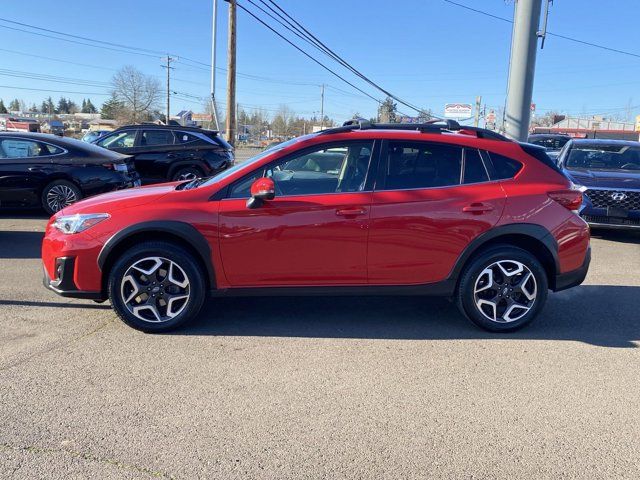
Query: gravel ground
[[319, 387]]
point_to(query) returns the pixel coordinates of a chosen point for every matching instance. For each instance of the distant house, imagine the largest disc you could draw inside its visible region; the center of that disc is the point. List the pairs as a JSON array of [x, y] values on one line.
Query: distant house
[[102, 124], [184, 118]]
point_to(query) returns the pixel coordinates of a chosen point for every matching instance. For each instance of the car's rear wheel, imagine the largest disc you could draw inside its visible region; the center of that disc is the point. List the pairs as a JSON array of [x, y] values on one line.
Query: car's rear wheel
[[58, 195], [186, 173], [503, 289], [156, 287]]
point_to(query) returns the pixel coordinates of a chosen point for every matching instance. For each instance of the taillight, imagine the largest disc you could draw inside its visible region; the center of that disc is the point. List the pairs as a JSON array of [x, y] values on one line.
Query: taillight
[[569, 199], [118, 167], [110, 166]]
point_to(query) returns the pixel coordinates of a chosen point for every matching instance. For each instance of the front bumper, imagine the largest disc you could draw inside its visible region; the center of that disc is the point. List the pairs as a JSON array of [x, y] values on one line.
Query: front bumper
[[575, 277], [64, 284]]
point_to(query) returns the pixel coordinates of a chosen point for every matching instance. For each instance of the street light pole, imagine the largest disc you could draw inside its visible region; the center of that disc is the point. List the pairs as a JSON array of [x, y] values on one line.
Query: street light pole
[[231, 74], [522, 66], [322, 107]]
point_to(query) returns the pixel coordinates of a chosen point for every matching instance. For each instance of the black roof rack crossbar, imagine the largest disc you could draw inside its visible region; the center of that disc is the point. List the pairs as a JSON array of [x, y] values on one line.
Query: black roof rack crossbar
[[431, 126]]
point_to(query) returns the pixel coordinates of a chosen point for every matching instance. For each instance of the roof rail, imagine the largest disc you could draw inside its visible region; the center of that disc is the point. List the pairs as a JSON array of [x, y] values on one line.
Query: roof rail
[[431, 126]]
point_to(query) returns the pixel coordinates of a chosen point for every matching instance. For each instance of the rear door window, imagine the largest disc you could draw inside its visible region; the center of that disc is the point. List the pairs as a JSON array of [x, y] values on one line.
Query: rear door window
[[19, 148], [474, 169], [156, 137], [416, 165]]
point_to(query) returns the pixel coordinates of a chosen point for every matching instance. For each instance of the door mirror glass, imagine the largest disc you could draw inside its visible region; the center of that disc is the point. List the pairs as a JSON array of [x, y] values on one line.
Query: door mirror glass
[[262, 189]]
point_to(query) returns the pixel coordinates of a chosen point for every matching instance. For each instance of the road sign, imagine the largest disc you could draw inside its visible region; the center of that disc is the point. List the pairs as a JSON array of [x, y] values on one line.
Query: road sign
[[458, 110], [491, 117], [201, 117]]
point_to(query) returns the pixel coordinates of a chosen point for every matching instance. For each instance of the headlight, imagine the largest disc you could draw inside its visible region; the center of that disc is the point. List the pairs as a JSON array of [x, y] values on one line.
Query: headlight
[[78, 223]]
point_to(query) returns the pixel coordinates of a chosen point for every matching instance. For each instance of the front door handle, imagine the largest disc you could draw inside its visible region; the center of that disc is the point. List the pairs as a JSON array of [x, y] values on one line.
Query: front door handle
[[350, 212], [478, 208], [35, 169]]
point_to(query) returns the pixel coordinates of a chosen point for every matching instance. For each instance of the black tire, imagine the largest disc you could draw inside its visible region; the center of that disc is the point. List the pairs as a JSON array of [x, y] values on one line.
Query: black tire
[[188, 268], [59, 194], [507, 293], [186, 173]]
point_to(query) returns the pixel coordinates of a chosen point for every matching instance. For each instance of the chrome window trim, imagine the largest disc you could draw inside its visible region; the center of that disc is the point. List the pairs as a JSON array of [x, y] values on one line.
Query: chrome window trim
[[64, 150]]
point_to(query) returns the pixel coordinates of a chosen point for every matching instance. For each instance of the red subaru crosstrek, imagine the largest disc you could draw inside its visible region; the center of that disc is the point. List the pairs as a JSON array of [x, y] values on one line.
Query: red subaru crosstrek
[[429, 209]]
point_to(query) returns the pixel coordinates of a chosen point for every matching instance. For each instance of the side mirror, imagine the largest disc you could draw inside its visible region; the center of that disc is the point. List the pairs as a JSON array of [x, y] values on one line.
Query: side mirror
[[262, 189]]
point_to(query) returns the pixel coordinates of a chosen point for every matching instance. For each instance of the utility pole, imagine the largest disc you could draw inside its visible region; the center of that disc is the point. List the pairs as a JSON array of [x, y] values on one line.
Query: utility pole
[[322, 107], [169, 68], [214, 105], [524, 41], [231, 75], [476, 120]]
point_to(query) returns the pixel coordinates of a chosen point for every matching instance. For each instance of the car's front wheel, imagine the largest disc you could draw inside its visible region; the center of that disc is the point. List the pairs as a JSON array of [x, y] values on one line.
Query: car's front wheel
[[156, 287], [503, 289]]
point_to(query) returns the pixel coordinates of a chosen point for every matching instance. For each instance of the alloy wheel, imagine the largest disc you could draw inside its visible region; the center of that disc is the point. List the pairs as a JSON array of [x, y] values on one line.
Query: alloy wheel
[[60, 196], [505, 291], [155, 289]]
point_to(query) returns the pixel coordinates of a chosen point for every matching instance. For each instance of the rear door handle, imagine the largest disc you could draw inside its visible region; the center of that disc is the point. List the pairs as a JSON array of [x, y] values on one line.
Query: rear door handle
[[478, 208], [35, 169], [350, 212]]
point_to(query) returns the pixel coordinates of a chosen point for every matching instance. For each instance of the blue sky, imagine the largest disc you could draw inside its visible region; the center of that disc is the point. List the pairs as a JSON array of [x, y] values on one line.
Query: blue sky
[[427, 51]]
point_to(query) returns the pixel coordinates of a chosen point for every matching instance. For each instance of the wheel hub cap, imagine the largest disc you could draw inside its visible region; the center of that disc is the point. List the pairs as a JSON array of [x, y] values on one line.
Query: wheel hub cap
[[505, 291], [155, 289]]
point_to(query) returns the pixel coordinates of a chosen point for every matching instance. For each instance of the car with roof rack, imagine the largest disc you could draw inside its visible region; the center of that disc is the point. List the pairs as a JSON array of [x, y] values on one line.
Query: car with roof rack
[[608, 173], [170, 152], [362, 209]]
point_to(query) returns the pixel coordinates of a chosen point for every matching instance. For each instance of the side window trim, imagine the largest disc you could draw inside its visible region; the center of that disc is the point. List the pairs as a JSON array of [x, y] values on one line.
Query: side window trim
[[63, 150], [298, 153]]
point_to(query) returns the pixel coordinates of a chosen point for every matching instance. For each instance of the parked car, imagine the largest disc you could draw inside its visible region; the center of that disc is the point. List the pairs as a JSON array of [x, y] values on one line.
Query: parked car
[[92, 135], [17, 124], [55, 127], [608, 172], [426, 209], [551, 142], [170, 152], [40, 170]]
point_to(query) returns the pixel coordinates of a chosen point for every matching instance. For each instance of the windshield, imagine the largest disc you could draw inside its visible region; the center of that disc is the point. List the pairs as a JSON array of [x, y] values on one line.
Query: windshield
[[256, 158], [605, 157], [550, 143]]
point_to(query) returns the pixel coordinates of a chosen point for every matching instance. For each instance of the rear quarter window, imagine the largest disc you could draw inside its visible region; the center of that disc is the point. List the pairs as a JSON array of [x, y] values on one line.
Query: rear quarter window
[[504, 167]]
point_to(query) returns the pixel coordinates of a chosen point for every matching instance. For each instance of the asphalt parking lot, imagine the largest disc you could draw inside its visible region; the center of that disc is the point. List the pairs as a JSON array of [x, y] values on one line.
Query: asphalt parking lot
[[319, 387]]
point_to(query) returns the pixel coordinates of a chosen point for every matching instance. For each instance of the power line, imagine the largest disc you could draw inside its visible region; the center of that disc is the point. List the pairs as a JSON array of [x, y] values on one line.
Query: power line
[[305, 53], [52, 91], [319, 45], [564, 37]]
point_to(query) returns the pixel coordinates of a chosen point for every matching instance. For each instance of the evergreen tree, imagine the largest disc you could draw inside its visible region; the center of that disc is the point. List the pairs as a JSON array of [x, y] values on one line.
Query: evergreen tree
[[88, 107], [48, 107], [387, 111], [34, 108], [3, 109], [14, 106], [72, 107], [63, 106], [111, 108]]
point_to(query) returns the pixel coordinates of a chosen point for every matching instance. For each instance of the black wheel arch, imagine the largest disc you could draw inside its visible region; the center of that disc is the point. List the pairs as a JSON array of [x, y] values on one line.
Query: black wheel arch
[[190, 163], [181, 233], [533, 238]]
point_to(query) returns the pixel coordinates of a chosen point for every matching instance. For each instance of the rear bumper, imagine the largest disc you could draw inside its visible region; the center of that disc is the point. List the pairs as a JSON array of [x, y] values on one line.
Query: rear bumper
[[64, 285], [574, 277]]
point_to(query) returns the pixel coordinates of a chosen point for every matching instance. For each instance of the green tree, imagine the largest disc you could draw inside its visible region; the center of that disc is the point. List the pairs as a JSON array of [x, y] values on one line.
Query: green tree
[[112, 108], [33, 108], [14, 106], [48, 107], [91, 108], [3, 109], [63, 106], [387, 111]]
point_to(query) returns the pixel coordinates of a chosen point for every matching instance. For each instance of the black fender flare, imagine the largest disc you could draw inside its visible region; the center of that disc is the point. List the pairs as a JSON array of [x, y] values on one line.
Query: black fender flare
[[537, 232], [183, 230], [195, 162]]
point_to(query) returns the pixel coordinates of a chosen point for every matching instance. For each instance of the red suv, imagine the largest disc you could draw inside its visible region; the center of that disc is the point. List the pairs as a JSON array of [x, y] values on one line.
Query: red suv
[[428, 209]]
